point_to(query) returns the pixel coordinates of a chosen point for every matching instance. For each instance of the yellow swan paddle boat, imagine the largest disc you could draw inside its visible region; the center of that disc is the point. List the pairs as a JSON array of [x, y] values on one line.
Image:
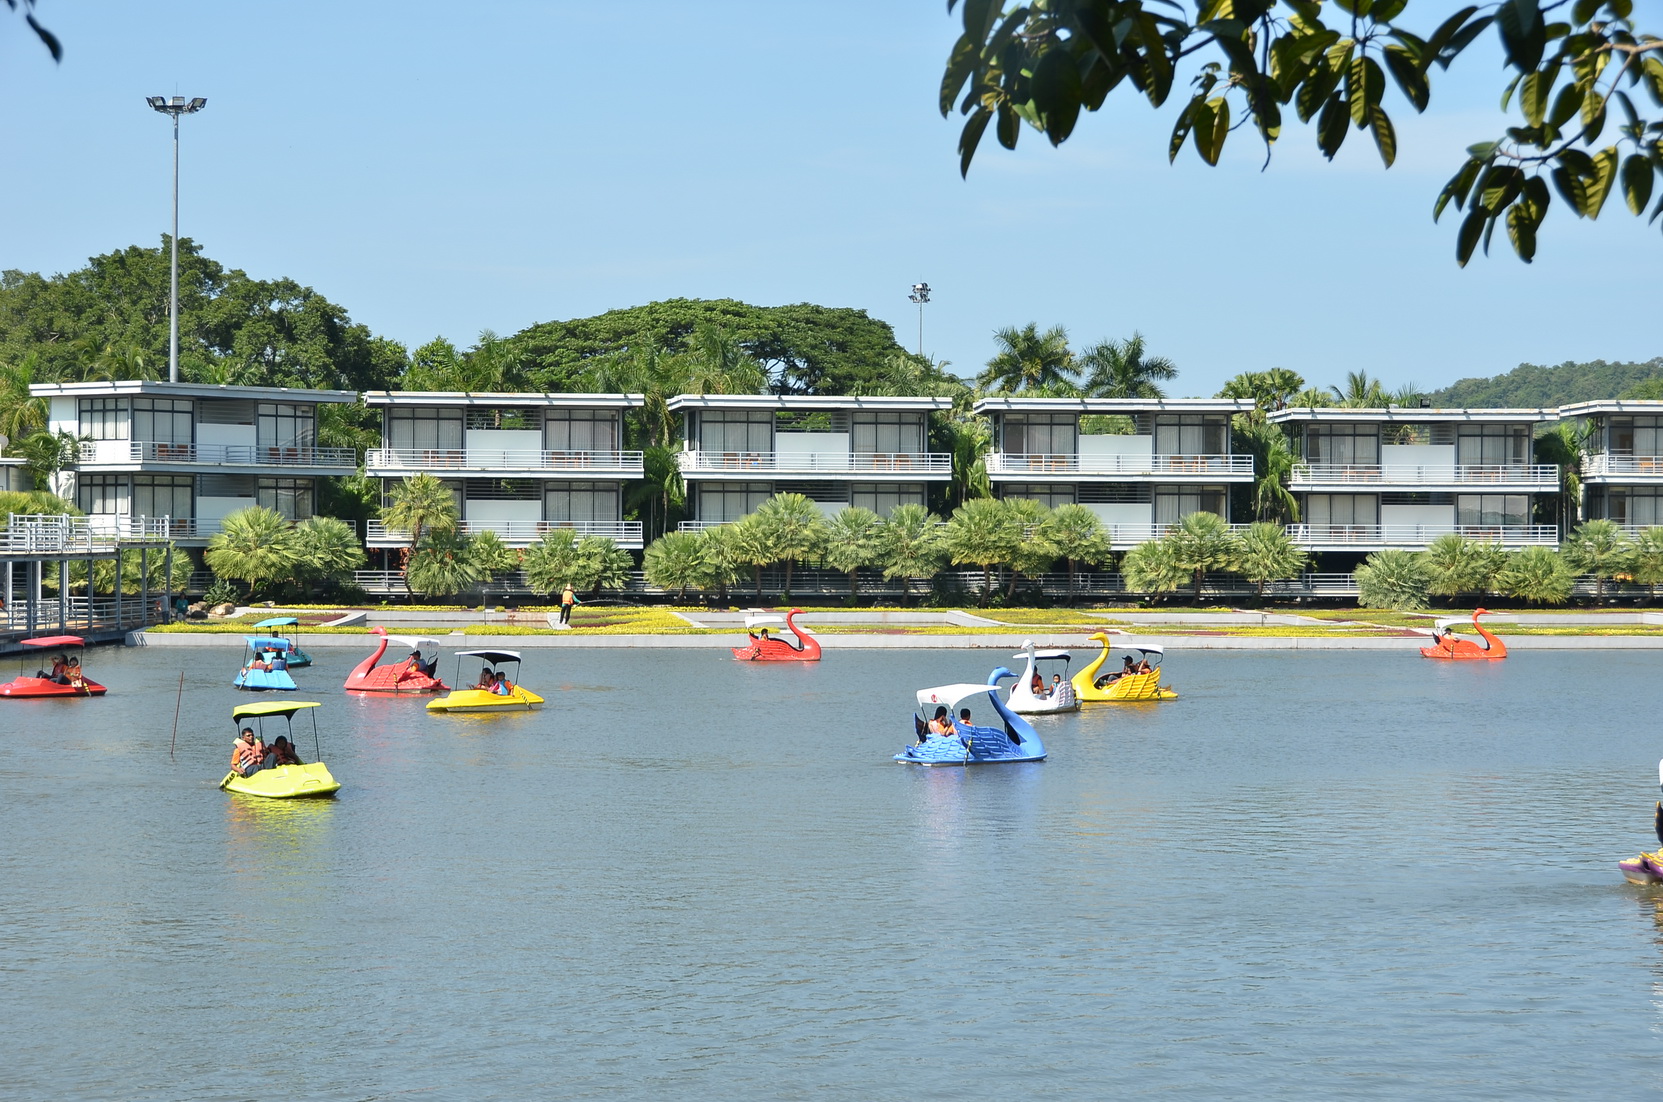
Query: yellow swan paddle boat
[[280, 782], [1097, 685], [480, 697]]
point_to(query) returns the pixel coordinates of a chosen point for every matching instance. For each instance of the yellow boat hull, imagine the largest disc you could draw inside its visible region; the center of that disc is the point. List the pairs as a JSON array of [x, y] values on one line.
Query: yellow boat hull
[[478, 700], [285, 782], [1127, 687]]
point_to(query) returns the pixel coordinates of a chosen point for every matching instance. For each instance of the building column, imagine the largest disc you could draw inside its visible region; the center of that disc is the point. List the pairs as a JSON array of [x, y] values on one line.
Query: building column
[[120, 605], [167, 583], [63, 596], [144, 585], [34, 595]]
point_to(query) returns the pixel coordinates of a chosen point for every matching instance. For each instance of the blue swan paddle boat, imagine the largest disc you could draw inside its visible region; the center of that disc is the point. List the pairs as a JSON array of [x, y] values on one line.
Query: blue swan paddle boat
[[267, 667], [1012, 740], [275, 627]]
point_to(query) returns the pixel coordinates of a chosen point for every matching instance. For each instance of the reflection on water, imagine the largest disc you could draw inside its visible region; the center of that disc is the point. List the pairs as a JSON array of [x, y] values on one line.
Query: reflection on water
[[1314, 875]]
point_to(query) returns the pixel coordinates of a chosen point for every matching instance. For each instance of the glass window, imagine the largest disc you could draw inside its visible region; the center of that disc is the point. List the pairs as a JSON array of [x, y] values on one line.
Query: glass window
[[103, 418], [162, 495], [1191, 434], [290, 497], [580, 430], [565, 502], [1041, 434], [720, 502], [101, 494], [732, 432], [883, 498], [163, 420], [1340, 509], [1174, 503], [1492, 445], [1636, 436], [1047, 495], [424, 429], [1350, 445], [286, 425], [1490, 510], [887, 433]]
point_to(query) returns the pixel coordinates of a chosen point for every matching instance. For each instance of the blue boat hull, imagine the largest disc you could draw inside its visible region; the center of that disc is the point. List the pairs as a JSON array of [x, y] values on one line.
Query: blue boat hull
[[262, 681]]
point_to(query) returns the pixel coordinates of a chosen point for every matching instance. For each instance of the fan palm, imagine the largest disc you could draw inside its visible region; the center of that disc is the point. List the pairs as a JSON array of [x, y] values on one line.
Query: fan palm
[[1539, 575], [749, 542], [441, 565], [1122, 369], [1151, 569], [1201, 542], [1600, 548], [672, 561], [719, 555], [851, 541], [910, 544], [1078, 535], [1456, 565], [327, 549], [1648, 557], [552, 562], [254, 545], [983, 531], [1036, 550], [1393, 578], [795, 529], [1026, 358], [1265, 553]]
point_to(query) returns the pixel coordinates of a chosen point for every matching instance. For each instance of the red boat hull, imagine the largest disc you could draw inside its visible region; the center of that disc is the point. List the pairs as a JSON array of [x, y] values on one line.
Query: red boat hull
[[1449, 647], [367, 677], [778, 650], [41, 688]]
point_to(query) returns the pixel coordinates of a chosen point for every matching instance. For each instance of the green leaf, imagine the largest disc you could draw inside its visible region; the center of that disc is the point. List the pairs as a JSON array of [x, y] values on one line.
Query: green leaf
[[960, 64], [1411, 79], [1593, 115], [1572, 189], [1384, 11], [1181, 129], [1442, 36], [978, 18], [1605, 171], [1565, 105], [970, 137], [1385, 137], [1364, 84], [1637, 181], [1457, 188], [1534, 91], [1523, 34], [1056, 88], [1332, 126], [1009, 126], [1211, 128], [1467, 239]]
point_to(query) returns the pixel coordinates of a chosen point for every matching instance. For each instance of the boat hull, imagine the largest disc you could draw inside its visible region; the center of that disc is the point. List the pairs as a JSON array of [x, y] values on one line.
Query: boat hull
[[478, 700], [1133, 687], [982, 746], [778, 650], [1647, 868], [42, 688], [285, 782], [264, 681]]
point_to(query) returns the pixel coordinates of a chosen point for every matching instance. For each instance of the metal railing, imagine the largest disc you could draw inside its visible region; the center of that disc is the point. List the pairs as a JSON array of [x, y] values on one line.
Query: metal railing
[[1419, 535], [522, 531], [1118, 464], [1543, 476], [762, 463], [95, 452], [488, 459], [1646, 465]]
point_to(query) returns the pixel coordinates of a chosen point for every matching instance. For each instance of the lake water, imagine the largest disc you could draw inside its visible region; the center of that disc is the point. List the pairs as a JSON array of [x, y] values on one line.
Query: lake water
[[1314, 875]]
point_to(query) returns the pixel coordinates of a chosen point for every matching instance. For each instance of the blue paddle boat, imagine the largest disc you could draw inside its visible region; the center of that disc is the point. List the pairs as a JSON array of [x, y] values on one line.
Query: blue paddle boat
[[1010, 739], [276, 627], [266, 667]]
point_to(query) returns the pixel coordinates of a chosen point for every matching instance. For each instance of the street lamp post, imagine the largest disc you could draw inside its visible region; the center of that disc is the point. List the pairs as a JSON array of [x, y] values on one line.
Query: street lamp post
[[176, 106], [920, 295]]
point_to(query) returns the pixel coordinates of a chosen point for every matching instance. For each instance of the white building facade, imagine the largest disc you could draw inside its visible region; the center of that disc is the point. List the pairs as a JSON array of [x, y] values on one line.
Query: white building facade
[[1622, 468]]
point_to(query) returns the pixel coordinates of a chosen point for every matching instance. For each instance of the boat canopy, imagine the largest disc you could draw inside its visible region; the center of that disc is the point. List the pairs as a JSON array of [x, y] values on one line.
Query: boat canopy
[[263, 642], [277, 622], [1041, 655], [272, 708], [950, 695], [55, 641], [754, 621], [424, 644], [491, 656]]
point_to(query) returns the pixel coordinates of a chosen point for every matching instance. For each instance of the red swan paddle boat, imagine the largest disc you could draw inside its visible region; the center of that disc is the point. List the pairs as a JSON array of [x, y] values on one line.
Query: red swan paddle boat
[[412, 675], [770, 648], [1448, 646], [42, 684]]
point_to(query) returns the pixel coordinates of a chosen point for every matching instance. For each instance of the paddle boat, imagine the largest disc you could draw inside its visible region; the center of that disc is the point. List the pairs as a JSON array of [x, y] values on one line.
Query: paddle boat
[[275, 627], [411, 675], [280, 782], [1013, 740], [764, 647], [1647, 868], [266, 669], [1448, 646], [65, 677], [1032, 694], [479, 697], [1097, 685]]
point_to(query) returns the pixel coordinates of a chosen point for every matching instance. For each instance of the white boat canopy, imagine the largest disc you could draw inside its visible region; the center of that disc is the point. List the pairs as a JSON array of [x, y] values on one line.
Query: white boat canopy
[[491, 656], [950, 695], [756, 621], [429, 647], [1041, 655]]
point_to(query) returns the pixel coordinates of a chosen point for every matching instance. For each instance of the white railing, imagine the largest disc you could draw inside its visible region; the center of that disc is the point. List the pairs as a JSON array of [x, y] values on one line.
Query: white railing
[[1117, 464], [1130, 535], [94, 452], [1543, 476], [764, 463], [491, 459], [47, 533], [522, 531], [1648, 465], [1419, 535]]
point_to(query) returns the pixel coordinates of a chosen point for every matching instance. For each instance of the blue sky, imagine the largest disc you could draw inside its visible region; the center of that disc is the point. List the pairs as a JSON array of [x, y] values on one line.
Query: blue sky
[[442, 169]]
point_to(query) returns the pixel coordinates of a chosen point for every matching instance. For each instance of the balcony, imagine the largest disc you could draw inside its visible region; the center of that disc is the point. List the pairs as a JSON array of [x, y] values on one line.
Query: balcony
[[617, 464], [1157, 467], [104, 453], [1363, 537], [887, 465], [624, 533], [1623, 468], [1519, 477]]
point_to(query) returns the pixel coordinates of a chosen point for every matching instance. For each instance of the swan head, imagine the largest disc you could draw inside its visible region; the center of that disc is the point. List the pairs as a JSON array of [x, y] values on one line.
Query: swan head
[[999, 673]]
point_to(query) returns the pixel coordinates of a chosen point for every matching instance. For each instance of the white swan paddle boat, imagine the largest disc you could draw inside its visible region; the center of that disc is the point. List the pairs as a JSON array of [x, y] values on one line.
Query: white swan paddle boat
[[1010, 740], [1022, 697]]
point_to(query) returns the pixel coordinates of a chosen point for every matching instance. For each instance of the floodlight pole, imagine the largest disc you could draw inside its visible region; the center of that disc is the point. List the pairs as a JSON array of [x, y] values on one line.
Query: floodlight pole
[[176, 106], [920, 295]]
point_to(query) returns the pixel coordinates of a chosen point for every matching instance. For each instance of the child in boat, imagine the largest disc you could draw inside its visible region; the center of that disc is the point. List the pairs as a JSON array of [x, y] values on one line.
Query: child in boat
[[500, 686]]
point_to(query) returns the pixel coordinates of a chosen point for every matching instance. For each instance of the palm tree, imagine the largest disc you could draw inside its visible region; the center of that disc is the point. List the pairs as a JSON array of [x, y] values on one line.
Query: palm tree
[[660, 490], [552, 561], [969, 441], [1311, 398], [1360, 391], [1120, 369], [493, 558], [1600, 548], [1273, 464], [46, 454], [1648, 557], [1078, 535], [415, 505], [750, 545], [672, 561], [1027, 358], [1565, 445], [793, 527], [1393, 578], [602, 564], [852, 541], [1265, 553], [1539, 575], [983, 531], [1150, 569], [910, 544], [1202, 542], [327, 550], [1036, 550], [441, 565], [22, 414], [717, 363], [719, 553], [1457, 565], [254, 545]]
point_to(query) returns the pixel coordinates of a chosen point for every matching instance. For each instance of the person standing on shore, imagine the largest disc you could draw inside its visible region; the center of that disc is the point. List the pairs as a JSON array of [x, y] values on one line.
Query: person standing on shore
[[568, 598]]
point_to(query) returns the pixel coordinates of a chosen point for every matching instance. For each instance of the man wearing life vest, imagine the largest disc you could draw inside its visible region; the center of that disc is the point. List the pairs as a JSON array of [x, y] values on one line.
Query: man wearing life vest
[[246, 753]]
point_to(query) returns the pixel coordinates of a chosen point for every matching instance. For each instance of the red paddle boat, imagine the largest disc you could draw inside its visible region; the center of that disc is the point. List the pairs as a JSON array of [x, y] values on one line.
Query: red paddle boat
[[65, 679], [764, 647], [411, 675], [1448, 646]]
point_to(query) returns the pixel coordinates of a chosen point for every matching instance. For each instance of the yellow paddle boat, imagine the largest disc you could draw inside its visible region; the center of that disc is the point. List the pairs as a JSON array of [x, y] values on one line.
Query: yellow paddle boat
[[495, 691], [1132, 682], [280, 782]]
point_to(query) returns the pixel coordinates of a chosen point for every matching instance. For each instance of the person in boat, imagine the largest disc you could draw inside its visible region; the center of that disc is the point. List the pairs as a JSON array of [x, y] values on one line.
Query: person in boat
[[1145, 667], [486, 681], [941, 724], [247, 753], [60, 670], [276, 660], [72, 673], [281, 752], [1037, 686], [1125, 671], [964, 726], [1056, 683], [500, 686]]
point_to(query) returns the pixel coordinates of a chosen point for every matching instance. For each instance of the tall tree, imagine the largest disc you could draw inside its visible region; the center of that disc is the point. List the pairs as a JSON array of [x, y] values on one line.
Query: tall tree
[[1078, 535], [910, 545], [851, 542], [1027, 360], [1265, 553], [415, 506], [793, 527], [1123, 369], [983, 532], [1201, 542]]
